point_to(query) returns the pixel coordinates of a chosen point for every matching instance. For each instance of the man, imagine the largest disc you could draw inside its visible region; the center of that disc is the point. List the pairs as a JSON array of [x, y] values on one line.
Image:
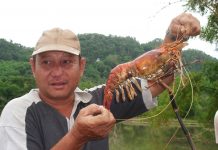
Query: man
[[58, 115]]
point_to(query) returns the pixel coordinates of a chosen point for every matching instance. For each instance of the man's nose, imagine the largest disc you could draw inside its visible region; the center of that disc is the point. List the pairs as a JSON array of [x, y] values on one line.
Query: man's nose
[[57, 70]]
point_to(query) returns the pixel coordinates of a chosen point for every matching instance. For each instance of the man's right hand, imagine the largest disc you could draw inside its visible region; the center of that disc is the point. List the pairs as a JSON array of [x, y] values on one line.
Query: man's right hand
[[93, 122]]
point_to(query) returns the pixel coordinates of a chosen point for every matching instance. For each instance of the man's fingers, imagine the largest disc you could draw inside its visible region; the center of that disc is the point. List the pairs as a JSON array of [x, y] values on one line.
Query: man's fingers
[[93, 122], [97, 115], [185, 24], [103, 118], [91, 109]]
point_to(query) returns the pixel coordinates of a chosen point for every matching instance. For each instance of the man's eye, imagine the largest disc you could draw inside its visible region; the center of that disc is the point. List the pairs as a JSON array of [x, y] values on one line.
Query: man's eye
[[67, 62], [46, 62]]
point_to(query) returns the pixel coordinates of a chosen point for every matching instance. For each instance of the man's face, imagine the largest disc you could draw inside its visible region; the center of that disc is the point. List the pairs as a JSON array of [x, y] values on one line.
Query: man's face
[[57, 74]]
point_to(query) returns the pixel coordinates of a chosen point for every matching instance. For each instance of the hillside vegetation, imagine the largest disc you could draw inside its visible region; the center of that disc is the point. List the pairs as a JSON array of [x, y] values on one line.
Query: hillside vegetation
[[102, 54]]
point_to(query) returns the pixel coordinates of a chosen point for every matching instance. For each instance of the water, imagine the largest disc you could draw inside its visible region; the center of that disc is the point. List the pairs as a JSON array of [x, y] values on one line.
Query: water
[[156, 137]]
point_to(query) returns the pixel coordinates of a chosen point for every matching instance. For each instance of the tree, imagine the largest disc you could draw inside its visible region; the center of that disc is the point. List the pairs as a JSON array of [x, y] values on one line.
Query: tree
[[210, 7], [152, 44], [210, 71]]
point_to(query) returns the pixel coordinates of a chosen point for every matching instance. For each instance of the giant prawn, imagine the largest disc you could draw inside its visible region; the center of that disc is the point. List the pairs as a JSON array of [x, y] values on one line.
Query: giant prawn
[[152, 65]]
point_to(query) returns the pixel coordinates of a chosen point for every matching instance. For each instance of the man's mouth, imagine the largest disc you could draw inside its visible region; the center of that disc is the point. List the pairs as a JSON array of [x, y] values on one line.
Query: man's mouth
[[58, 84]]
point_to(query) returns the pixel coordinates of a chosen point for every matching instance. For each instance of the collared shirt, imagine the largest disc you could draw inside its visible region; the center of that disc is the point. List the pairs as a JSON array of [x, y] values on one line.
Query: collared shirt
[[29, 123]]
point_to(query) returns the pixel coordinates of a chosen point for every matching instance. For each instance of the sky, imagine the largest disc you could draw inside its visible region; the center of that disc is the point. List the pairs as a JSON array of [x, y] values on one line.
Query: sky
[[23, 21]]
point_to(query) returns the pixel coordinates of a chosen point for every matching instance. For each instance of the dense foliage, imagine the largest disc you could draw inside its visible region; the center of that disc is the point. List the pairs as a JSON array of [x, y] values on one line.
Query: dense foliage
[[102, 54], [13, 51], [15, 80]]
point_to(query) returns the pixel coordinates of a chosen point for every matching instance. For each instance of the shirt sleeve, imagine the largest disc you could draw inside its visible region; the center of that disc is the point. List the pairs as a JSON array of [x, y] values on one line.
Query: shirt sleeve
[[147, 96], [12, 138], [216, 126], [12, 131]]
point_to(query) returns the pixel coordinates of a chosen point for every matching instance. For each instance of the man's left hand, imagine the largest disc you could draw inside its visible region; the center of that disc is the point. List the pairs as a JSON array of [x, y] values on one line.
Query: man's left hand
[[183, 26]]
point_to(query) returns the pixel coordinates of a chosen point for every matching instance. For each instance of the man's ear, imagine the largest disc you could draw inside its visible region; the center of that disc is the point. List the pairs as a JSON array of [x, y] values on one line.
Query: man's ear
[[82, 66], [32, 64]]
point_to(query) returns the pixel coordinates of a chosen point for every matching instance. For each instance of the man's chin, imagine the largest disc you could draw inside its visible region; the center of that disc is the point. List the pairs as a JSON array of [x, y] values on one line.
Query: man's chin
[[59, 94], [59, 97]]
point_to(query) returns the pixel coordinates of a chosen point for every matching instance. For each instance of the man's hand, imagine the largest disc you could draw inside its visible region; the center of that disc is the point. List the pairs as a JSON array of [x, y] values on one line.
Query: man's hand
[[93, 122], [182, 27]]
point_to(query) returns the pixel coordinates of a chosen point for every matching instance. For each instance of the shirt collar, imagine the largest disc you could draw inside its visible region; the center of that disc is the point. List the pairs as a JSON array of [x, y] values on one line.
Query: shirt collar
[[81, 96]]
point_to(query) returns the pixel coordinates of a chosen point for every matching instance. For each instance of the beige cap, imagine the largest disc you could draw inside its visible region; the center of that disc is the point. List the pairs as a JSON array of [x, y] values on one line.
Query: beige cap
[[58, 40]]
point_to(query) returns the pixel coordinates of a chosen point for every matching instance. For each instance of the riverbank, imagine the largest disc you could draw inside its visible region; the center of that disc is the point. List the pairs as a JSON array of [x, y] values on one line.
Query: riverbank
[[170, 123], [147, 135]]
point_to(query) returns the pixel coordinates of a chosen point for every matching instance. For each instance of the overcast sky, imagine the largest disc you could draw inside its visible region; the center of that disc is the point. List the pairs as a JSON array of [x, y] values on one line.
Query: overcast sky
[[23, 21]]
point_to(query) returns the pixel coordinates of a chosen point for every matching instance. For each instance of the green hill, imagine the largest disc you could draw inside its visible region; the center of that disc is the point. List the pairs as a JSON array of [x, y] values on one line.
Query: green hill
[[102, 54], [13, 51]]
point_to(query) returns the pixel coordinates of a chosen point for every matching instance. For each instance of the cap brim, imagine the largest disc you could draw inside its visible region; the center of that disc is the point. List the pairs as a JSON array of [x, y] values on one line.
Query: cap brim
[[57, 47]]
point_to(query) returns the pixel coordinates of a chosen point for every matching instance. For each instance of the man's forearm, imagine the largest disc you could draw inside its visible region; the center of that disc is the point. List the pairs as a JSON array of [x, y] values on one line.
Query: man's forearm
[[69, 142]]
